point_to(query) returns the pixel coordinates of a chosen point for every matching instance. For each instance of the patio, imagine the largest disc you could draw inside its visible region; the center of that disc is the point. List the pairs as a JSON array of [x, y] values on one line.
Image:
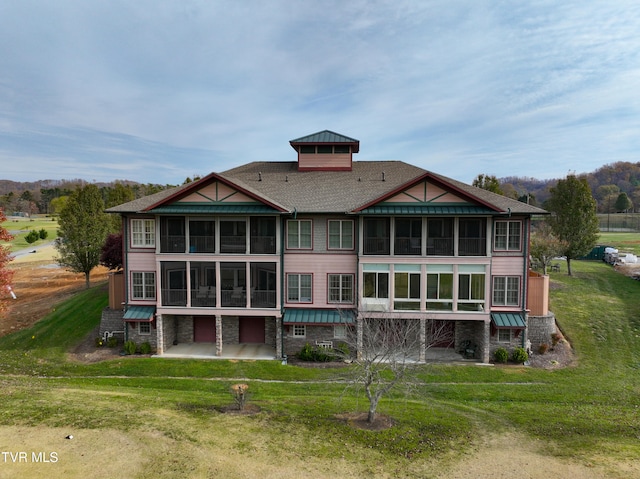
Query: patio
[[229, 351]]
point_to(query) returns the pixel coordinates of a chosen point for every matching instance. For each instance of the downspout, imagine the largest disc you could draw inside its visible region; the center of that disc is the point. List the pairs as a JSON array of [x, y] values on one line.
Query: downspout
[[282, 243], [525, 276], [125, 257]]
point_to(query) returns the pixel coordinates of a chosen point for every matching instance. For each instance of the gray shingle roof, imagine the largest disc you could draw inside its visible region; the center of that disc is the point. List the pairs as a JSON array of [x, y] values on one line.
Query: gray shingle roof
[[282, 185], [325, 136]]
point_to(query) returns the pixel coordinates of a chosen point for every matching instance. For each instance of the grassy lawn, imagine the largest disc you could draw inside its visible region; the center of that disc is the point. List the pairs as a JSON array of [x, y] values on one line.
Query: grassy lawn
[[20, 227], [625, 242], [163, 418]]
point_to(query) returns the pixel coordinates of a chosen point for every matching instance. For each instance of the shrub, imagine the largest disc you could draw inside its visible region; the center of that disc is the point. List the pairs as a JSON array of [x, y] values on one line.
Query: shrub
[[555, 339], [145, 348], [519, 355], [543, 348], [316, 354], [32, 237], [43, 233], [130, 347], [99, 342], [501, 355], [112, 342], [306, 353]]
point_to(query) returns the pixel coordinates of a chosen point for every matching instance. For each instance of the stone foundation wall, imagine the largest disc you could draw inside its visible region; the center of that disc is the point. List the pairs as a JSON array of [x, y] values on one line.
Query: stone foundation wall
[[292, 346], [473, 331], [112, 320], [184, 329], [540, 329], [133, 334], [230, 330]]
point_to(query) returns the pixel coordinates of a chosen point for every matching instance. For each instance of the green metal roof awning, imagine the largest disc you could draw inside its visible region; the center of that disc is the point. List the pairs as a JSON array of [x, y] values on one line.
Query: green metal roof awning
[[508, 320], [427, 210], [209, 208], [317, 316], [139, 313]]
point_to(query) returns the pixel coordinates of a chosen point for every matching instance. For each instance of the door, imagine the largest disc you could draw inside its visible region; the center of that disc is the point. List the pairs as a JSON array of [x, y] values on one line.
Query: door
[[252, 330], [204, 329]]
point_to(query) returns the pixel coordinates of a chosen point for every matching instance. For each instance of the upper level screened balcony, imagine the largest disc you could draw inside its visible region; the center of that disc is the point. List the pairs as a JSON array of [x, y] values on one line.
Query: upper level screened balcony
[[202, 235], [425, 236]]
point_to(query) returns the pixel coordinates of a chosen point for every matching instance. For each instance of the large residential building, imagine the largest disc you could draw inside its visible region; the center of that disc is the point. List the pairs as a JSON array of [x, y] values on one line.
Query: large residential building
[[288, 253]]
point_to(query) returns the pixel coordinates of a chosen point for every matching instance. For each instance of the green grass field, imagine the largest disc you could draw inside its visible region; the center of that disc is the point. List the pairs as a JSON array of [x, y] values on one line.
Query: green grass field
[[163, 418], [627, 242], [20, 227]]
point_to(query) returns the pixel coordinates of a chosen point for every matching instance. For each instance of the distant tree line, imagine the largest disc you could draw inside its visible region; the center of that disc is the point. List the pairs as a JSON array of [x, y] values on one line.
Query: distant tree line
[[50, 196]]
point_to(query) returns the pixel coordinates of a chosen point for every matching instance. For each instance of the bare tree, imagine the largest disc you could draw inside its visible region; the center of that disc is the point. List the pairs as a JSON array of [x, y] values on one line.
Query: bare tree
[[387, 353]]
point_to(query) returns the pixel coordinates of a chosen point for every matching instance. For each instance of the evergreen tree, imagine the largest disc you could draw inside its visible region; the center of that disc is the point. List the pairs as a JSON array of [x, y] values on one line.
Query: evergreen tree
[[623, 203], [83, 230], [573, 217], [488, 182]]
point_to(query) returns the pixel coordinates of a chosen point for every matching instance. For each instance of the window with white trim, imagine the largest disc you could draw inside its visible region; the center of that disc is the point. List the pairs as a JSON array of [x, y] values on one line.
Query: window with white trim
[[340, 234], [340, 331], [299, 331], [406, 291], [340, 288], [507, 235], [471, 292], [376, 285], [299, 234], [440, 291], [143, 285], [143, 233], [145, 328], [299, 288], [506, 290], [504, 335]]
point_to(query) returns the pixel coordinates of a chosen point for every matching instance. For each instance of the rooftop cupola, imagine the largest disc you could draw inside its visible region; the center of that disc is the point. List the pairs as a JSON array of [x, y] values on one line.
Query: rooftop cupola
[[326, 151]]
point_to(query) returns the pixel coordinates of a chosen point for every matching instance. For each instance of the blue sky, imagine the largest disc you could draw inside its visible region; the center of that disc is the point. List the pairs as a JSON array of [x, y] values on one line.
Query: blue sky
[[156, 90]]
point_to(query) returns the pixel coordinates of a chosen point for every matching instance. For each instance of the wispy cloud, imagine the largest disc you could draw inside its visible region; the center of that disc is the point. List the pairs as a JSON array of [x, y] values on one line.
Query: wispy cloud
[[159, 90]]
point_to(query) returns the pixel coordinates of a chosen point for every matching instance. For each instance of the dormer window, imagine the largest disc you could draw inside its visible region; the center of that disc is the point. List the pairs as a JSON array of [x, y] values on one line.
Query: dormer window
[[326, 151]]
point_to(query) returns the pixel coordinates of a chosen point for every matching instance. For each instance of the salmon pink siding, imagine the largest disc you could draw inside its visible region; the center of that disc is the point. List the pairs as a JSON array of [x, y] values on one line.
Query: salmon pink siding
[[334, 161], [138, 261], [507, 266], [320, 267], [217, 192], [424, 192]]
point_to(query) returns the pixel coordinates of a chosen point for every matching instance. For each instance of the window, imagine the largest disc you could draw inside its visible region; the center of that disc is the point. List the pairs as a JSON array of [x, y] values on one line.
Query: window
[[408, 236], [376, 285], [507, 235], [145, 328], [440, 291], [506, 290], [325, 149], [143, 285], [340, 331], [340, 234], [308, 149], [472, 237], [340, 288], [504, 335], [202, 236], [143, 233], [407, 291], [440, 237], [299, 288], [299, 234], [233, 236], [376, 235], [299, 330], [172, 234], [471, 292]]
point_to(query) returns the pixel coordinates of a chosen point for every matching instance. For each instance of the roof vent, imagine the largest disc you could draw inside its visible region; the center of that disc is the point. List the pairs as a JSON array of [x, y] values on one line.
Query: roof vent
[[259, 176], [383, 177]]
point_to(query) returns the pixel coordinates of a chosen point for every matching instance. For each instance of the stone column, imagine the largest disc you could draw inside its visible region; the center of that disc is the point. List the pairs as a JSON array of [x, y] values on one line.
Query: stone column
[[486, 341], [160, 335], [218, 335], [279, 351], [423, 340]]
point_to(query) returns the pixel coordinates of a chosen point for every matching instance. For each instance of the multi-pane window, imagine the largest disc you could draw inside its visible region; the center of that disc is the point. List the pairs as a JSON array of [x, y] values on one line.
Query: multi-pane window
[[143, 233], [340, 234], [376, 285], [507, 235], [471, 292], [299, 288], [341, 288], [299, 331], [407, 290], [440, 291], [340, 331], [504, 335], [299, 234], [506, 290], [145, 328], [143, 285]]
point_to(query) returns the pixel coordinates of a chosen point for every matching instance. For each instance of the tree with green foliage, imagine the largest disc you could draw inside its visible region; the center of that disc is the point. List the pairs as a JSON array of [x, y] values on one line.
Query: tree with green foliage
[[544, 246], [5, 256], [623, 203], [573, 217], [83, 230], [488, 182]]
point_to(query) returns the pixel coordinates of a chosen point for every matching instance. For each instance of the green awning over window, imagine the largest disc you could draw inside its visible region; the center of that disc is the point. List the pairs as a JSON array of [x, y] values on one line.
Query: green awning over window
[[211, 208], [317, 316], [422, 209], [139, 313], [508, 320]]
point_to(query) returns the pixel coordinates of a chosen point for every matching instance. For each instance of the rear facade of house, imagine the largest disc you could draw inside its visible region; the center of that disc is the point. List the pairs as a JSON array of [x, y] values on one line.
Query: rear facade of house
[[288, 253]]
